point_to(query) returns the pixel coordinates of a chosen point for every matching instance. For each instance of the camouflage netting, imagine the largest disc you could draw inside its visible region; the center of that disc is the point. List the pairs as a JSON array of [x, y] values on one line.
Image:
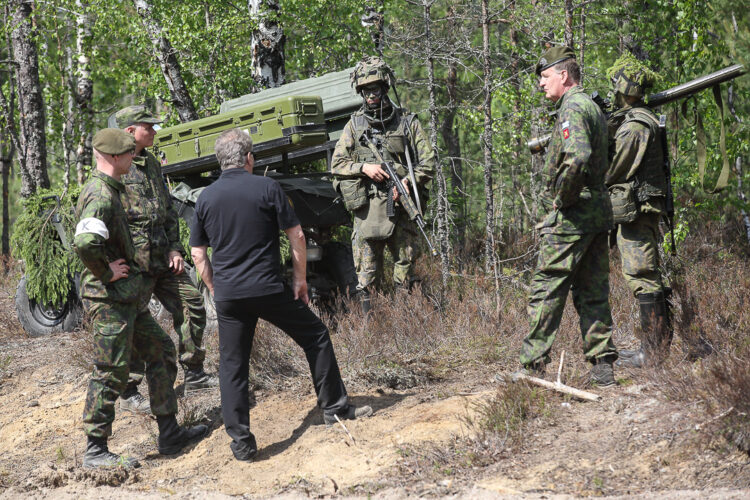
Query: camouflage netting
[[631, 76]]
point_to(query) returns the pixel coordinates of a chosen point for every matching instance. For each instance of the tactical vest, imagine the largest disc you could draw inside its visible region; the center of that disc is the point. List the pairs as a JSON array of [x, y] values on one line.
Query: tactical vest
[[371, 219], [394, 138], [650, 179]]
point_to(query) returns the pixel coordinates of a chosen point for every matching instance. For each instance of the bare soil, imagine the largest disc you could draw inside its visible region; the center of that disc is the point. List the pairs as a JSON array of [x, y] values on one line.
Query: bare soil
[[416, 444]]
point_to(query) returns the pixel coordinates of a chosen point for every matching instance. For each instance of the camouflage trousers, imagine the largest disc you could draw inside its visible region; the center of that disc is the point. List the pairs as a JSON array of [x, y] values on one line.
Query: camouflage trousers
[[368, 255], [181, 298], [120, 328], [638, 243], [579, 263]]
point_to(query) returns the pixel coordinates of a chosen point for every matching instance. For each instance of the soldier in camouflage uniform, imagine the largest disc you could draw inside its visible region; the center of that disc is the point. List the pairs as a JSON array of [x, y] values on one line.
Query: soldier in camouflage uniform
[[155, 229], [114, 297], [361, 180], [573, 254], [638, 186]]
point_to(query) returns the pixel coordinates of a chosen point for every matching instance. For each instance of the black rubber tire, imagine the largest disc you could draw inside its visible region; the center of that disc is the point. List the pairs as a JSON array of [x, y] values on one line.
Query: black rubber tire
[[39, 321]]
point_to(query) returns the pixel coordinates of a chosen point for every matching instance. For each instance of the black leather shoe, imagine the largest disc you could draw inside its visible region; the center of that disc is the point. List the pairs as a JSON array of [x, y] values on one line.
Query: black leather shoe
[[244, 451], [351, 413]]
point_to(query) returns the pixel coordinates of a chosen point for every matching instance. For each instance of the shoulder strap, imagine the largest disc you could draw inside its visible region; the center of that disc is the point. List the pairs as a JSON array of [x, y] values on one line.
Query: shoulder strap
[[644, 116]]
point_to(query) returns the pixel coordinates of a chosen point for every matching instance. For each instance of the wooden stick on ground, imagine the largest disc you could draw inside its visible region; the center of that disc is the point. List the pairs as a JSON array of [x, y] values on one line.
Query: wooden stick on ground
[[557, 386], [347, 430]]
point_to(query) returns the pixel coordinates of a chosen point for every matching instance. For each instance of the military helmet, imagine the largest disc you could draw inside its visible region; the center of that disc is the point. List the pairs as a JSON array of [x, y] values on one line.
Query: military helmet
[[371, 69], [631, 77]]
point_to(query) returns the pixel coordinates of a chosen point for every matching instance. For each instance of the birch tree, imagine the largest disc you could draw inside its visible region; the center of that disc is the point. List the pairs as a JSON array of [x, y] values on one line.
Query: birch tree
[[167, 57], [267, 43], [30, 103], [486, 140], [84, 87]]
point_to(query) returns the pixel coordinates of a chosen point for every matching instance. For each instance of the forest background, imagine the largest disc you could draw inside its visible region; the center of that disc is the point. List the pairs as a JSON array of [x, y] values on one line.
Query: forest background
[[467, 68]]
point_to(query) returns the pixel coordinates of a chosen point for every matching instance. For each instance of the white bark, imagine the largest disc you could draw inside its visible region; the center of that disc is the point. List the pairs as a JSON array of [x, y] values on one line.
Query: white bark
[[267, 43], [84, 89], [170, 66]]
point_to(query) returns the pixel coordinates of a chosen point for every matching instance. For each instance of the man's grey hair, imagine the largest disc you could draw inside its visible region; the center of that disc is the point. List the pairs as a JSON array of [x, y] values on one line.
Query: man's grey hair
[[232, 147], [571, 66]]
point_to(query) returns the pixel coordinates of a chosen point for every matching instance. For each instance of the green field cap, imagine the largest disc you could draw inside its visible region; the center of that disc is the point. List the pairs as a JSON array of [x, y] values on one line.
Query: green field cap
[[113, 141], [131, 115]]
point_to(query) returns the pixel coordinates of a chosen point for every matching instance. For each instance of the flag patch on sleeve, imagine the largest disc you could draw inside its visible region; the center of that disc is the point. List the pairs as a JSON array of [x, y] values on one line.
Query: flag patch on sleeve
[[565, 129]]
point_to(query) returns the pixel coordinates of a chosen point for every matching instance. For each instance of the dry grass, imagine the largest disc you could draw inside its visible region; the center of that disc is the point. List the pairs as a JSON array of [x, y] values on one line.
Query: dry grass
[[712, 285]]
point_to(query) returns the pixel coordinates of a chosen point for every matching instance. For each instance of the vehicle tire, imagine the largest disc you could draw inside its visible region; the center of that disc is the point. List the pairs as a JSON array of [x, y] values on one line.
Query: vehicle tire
[[38, 320]]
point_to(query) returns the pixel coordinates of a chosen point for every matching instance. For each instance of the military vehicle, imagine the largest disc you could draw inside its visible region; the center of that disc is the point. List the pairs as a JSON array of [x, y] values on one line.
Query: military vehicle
[[294, 130]]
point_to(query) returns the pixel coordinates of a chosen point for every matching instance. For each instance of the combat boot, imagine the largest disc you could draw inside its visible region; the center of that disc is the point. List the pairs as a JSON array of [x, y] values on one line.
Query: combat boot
[[173, 438], [536, 370], [132, 400], [365, 302], [602, 374], [196, 378], [351, 413], [656, 328], [98, 455]]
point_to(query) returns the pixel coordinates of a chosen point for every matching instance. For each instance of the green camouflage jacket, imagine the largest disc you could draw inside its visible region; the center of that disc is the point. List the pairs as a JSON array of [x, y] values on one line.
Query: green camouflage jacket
[[574, 168], [402, 130], [152, 218], [637, 156], [102, 236]]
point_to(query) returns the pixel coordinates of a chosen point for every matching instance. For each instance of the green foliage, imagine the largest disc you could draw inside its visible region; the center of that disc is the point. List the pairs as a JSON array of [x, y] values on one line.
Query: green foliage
[[285, 248], [634, 70], [49, 264]]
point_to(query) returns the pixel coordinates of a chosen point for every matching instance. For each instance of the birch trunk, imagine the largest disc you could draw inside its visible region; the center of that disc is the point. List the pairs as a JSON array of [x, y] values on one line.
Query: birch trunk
[[489, 243], [373, 18], [442, 194], [170, 66], [30, 103], [84, 89], [267, 43]]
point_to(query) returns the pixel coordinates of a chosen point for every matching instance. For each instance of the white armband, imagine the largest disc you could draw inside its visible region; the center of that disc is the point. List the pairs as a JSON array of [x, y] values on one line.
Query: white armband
[[92, 225]]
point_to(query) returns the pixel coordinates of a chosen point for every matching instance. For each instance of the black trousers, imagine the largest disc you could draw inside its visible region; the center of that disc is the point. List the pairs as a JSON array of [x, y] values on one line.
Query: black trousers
[[237, 321]]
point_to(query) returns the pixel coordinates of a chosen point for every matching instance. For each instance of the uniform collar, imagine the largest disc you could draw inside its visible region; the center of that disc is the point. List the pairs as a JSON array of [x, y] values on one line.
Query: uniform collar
[[140, 160], [111, 181], [573, 90]]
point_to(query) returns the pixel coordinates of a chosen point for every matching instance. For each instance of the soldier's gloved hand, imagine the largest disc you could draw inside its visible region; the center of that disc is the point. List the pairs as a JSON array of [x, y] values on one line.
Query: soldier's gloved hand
[[119, 269], [176, 262], [374, 171]]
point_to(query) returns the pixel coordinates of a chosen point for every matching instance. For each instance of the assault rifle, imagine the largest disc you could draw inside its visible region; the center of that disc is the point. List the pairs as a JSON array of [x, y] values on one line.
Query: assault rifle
[[394, 181], [539, 144]]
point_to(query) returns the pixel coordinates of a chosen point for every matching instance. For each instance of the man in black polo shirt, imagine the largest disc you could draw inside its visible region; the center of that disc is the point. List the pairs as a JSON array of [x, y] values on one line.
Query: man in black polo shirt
[[239, 216]]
